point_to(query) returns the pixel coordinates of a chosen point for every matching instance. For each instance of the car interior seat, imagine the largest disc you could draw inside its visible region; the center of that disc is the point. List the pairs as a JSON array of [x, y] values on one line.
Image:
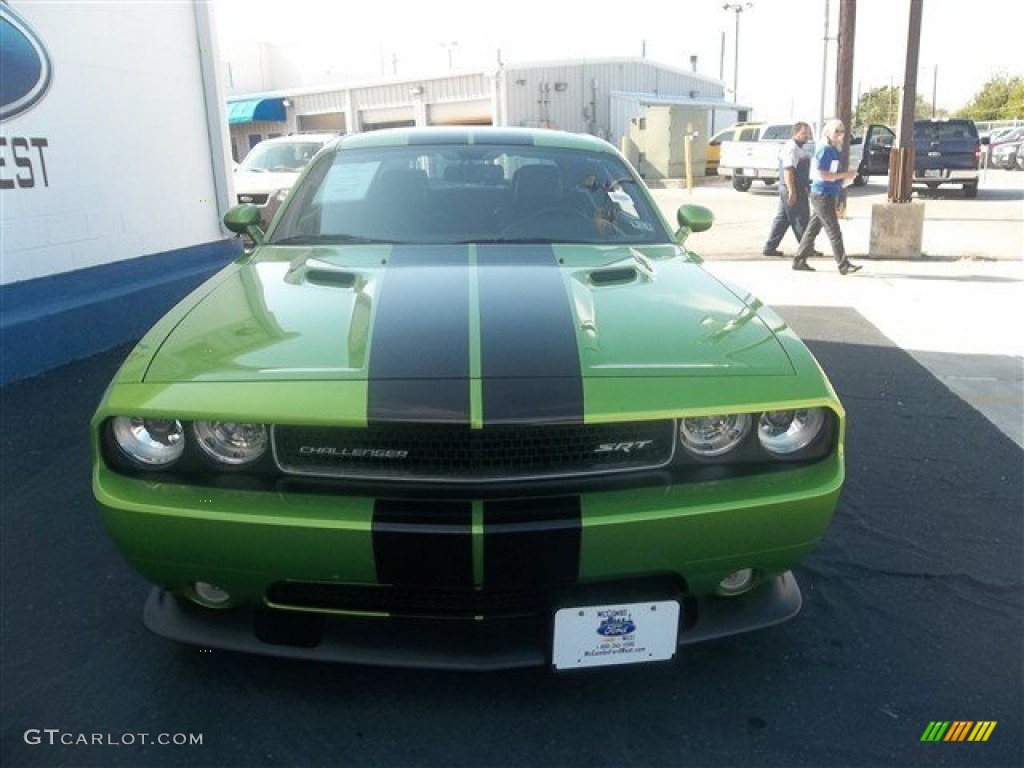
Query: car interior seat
[[535, 187], [397, 204]]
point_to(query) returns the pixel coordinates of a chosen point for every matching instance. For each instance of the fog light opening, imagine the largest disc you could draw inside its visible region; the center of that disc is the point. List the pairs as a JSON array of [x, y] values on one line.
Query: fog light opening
[[210, 594], [737, 582]]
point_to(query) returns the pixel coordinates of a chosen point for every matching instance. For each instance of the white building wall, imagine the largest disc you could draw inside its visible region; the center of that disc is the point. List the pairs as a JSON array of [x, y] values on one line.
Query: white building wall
[[578, 95], [599, 97], [128, 163]]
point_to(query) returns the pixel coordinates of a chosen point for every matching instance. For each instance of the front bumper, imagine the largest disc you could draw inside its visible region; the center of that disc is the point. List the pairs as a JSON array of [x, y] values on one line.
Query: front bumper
[[770, 175], [437, 644], [304, 569], [246, 542]]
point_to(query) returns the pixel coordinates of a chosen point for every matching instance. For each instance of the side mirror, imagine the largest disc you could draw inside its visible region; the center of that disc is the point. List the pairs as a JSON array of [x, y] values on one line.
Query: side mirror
[[986, 140], [692, 218], [245, 220]]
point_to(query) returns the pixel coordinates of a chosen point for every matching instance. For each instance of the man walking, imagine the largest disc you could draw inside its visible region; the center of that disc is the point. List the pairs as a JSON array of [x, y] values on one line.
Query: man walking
[[794, 180]]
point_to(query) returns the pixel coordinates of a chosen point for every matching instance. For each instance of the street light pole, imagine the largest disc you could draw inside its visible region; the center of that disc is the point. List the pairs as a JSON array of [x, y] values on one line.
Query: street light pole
[[736, 8], [449, 47]]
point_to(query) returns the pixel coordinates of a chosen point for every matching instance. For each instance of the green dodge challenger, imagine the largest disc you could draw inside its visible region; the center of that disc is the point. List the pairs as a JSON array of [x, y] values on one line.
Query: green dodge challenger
[[469, 403]]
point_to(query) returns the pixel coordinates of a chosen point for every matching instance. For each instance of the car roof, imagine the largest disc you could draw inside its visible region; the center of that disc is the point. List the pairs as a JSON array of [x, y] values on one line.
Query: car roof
[[483, 135], [303, 138]]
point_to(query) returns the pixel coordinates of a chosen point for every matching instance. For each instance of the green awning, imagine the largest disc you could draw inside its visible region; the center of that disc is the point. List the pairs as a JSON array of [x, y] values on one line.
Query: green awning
[[252, 110]]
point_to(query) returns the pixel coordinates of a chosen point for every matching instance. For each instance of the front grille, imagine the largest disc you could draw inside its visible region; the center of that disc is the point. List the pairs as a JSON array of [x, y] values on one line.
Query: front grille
[[453, 454], [434, 602]]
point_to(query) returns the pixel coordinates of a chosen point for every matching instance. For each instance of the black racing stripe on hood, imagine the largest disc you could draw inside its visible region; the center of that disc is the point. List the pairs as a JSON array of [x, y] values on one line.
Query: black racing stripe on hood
[[419, 350], [423, 543], [530, 362], [532, 542]]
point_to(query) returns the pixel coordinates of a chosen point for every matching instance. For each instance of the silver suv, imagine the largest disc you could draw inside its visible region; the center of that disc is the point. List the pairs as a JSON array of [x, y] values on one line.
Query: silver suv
[[268, 172]]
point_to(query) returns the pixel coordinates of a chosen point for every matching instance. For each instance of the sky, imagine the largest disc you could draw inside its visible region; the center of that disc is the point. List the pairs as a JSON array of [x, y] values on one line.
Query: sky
[[782, 50]]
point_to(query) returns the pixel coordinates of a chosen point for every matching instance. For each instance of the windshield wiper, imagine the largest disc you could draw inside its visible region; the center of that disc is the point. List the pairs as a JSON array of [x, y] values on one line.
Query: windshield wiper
[[511, 240]]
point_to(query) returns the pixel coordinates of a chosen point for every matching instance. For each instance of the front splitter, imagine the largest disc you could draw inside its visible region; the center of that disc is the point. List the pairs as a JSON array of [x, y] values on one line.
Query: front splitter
[[430, 643]]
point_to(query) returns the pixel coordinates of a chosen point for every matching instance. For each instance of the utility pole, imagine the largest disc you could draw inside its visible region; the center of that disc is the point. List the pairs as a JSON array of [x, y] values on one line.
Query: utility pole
[[824, 74], [897, 229], [844, 72], [901, 160], [844, 82]]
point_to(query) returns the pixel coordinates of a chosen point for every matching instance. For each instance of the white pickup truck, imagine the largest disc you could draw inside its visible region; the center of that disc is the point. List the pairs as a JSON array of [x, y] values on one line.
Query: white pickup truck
[[745, 161]]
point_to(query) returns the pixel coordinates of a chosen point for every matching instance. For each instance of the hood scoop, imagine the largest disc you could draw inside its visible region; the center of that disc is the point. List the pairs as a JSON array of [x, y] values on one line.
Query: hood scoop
[[614, 276], [322, 273], [334, 278], [623, 274]]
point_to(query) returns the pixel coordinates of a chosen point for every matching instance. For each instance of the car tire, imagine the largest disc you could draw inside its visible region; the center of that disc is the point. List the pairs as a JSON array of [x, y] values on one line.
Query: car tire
[[740, 184], [971, 190], [859, 180]]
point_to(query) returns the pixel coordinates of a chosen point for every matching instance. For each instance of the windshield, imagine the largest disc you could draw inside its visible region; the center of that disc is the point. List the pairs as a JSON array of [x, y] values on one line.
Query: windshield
[[777, 132], [458, 193], [942, 132], [277, 157]]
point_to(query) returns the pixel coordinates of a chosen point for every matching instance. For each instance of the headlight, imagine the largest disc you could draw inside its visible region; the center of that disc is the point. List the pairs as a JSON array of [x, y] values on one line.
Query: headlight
[[710, 436], [154, 443], [785, 432], [280, 195], [228, 442]]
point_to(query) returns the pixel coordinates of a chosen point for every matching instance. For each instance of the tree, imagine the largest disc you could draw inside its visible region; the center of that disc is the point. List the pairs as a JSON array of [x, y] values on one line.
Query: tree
[[882, 105], [1001, 98]]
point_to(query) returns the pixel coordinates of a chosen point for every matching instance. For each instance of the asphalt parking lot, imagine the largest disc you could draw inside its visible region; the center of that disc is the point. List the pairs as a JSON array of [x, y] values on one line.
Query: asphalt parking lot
[[912, 604]]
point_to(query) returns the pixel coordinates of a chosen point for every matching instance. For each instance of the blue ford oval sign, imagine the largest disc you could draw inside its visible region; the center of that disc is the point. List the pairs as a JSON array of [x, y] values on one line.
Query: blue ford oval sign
[[25, 64]]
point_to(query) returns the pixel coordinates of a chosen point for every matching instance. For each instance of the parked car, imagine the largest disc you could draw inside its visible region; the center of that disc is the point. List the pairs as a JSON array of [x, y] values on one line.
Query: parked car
[[1005, 155], [469, 403], [947, 151], [742, 131], [998, 138], [269, 170]]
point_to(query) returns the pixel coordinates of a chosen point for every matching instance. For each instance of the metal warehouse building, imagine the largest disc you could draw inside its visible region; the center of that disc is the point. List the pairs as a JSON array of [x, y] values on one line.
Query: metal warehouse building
[[610, 98]]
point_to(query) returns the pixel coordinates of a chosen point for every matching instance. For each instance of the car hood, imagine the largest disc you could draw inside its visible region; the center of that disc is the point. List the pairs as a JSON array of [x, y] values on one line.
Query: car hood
[[262, 183], [486, 313]]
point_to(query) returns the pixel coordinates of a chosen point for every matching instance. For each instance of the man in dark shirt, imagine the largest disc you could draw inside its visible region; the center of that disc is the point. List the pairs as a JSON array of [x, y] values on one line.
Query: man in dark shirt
[[794, 180]]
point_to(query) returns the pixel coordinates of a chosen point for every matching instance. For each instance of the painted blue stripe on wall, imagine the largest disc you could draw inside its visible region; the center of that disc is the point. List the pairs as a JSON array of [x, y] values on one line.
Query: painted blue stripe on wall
[[51, 321]]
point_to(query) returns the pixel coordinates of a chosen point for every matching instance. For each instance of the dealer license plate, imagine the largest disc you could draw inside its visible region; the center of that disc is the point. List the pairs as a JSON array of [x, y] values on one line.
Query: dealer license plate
[[604, 635], [933, 173]]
